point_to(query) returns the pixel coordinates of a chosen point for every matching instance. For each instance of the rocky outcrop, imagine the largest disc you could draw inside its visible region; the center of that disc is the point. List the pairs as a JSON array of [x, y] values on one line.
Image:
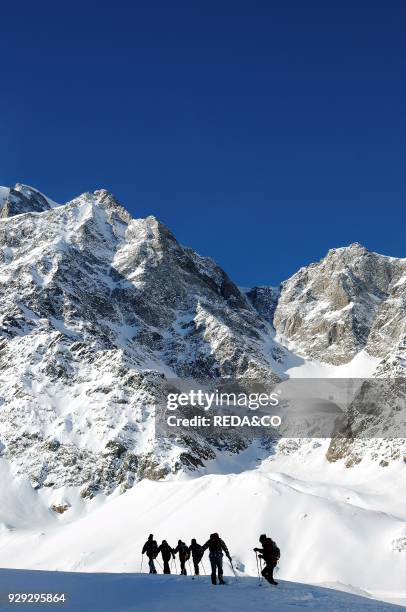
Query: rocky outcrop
[[265, 300], [350, 300], [21, 199]]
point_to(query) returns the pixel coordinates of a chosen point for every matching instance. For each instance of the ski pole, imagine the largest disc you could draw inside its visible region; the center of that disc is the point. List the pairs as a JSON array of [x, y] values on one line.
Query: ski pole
[[159, 565], [190, 569], [142, 560], [204, 569]]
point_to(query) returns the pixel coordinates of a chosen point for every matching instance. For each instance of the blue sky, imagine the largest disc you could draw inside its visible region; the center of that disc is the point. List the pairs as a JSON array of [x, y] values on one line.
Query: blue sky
[[261, 133]]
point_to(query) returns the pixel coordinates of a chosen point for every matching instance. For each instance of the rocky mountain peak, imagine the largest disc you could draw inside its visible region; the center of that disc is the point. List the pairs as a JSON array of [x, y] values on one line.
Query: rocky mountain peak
[[353, 249], [97, 308], [22, 199], [328, 309], [107, 200]]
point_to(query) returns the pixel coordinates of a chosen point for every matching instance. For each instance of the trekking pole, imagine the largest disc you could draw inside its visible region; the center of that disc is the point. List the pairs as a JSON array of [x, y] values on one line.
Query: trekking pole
[[260, 568], [233, 570], [190, 569], [159, 565], [259, 576], [204, 569], [142, 560]]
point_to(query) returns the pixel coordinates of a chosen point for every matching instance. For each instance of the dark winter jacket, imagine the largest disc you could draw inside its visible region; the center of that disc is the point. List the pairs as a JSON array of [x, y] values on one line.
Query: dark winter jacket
[[165, 550], [196, 550], [215, 545], [270, 551], [183, 551], [150, 548]]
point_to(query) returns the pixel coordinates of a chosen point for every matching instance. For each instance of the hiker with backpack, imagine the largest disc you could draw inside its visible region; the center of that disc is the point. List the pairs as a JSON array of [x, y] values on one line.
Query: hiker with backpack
[[150, 548], [270, 553], [195, 550], [183, 550], [166, 552], [216, 547]]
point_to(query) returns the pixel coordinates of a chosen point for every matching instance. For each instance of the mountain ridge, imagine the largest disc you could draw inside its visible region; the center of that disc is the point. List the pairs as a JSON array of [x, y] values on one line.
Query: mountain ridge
[[99, 309]]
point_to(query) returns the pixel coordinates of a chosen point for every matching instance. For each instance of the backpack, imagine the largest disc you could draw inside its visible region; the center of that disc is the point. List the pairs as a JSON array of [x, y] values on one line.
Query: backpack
[[271, 550], [196, 550], [154, 549], [276, 551], [183, 552], [166, 551], [215, 545]]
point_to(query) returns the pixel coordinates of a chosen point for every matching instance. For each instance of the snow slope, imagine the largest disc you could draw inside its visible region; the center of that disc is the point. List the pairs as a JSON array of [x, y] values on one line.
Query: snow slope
[[361, 366], [323, 529], [142, 593]]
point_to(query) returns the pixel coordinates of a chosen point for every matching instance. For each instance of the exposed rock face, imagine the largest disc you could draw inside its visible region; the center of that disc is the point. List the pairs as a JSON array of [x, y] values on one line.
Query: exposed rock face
[[60, 508], [97, 308], [265, 300], [387, 339], [21, 199], [350, 300], [375, 423]]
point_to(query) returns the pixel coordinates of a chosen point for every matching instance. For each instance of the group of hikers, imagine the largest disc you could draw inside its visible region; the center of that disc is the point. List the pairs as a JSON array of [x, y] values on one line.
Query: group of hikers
[[269, 554]]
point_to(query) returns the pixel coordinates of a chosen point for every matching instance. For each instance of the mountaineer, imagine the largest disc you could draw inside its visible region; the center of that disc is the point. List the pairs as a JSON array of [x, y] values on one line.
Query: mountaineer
[[216, 548]]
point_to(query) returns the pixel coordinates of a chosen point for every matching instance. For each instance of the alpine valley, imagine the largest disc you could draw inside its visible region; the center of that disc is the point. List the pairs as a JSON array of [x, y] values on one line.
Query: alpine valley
[[99, 311]]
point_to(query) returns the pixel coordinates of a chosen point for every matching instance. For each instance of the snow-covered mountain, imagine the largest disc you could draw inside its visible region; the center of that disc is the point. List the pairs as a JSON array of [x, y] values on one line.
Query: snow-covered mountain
[[349, 301], [100, 310], [20, 199], [97, 308]]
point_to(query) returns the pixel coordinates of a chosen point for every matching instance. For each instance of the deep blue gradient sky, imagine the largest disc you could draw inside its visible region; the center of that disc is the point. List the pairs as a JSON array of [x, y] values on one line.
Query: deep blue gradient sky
[[261, 133]]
